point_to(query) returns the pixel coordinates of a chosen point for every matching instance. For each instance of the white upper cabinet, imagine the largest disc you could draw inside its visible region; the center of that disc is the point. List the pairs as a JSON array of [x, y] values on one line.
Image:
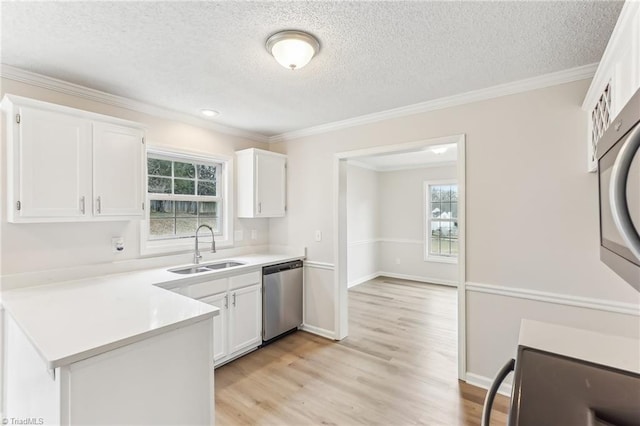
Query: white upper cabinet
[[262, 177], [52, 157], [617, 77], [117, 170], [66, 165]]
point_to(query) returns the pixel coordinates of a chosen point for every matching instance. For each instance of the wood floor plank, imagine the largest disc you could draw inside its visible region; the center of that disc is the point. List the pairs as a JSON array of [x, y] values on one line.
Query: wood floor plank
[[398, 366]]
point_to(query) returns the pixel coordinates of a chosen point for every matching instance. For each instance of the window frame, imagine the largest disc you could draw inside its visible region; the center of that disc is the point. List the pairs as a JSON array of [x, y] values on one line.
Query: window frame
[[426, 193], [224, 238]]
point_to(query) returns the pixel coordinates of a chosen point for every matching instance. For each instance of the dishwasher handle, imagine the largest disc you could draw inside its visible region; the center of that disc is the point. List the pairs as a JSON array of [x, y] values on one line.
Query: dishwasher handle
[[274, 269]]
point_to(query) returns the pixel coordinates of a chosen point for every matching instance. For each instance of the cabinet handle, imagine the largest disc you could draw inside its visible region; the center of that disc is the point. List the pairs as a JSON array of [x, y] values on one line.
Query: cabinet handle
[[82, 204], [226, 301], [234, 300], [98, 205], [259, 207]]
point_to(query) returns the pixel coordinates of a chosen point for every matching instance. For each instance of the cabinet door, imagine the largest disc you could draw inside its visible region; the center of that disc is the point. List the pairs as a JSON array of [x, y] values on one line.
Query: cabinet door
[[246, 318], [53, 156], [117, 170], [270, 185], [220, 324]]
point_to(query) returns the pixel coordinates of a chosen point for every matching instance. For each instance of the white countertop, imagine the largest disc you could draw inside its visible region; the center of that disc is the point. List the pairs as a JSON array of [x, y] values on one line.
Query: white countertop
[[614, 351], [74, 320]]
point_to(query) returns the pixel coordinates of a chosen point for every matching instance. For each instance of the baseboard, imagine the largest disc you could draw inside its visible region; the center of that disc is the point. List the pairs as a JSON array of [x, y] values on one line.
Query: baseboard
[[557, 298], [485, 383], [327, 334], [418, 278], [363, 279]]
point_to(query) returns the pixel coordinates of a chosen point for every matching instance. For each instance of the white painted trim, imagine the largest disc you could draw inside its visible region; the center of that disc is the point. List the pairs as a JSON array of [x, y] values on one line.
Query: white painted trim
[[16, 74], [607, 62], [419, 278], [363, 242], [340, 234], [327, 334], [461, 175], [400, 241], [485, 383], [364, 165], [416, 166], [364, 279], [556, 298], [319, 265], [539, 82], [398, 148]]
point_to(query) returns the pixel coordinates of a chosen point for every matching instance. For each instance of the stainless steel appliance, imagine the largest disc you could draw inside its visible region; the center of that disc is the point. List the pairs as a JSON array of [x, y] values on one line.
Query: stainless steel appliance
[[281, 299], [619, 186], [555, 390]]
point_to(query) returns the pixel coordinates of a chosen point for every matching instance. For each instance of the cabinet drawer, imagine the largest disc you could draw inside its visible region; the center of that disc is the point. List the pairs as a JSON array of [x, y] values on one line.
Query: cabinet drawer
[[244, 280], [197, 291]]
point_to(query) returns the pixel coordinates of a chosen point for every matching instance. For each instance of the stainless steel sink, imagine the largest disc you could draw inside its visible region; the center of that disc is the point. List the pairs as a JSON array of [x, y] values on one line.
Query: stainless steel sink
[[222, 265], [196, 269]]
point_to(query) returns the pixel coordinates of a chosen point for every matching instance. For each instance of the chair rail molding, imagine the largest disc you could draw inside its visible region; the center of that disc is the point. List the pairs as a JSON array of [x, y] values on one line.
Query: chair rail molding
[[556, 298], [319, 265]]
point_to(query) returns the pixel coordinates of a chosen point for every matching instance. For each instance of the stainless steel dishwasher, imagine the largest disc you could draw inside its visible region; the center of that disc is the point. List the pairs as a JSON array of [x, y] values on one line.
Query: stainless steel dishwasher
[[281, 299]]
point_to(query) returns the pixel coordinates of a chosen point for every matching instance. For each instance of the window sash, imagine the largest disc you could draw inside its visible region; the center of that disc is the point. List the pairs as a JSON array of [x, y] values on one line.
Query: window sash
[[196, 160], [429, 237], [219, 198]]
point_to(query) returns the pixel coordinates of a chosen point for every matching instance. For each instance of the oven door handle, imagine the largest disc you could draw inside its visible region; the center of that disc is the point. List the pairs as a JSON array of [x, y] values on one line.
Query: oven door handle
[[618, 192], [493, 390]]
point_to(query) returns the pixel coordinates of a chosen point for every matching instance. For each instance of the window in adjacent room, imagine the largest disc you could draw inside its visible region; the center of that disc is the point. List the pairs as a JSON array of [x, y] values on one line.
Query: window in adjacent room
[[184, 191], [441, 227]]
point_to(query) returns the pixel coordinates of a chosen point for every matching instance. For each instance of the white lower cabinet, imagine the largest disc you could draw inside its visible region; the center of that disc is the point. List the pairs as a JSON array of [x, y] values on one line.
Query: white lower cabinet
[[245, 319], [238, 328], [220, 325], [164, 379]]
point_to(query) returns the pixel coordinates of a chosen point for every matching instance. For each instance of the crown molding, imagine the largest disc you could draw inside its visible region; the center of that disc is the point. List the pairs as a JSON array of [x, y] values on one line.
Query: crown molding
[[17, 74], [539, 82]]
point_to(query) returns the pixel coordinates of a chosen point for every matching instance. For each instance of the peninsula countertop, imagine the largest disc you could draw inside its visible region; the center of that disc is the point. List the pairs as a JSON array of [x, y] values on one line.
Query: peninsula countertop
[[74, 320]]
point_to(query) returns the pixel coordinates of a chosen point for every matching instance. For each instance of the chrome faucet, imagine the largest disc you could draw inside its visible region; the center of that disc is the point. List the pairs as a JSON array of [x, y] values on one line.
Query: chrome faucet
[[196, 255]]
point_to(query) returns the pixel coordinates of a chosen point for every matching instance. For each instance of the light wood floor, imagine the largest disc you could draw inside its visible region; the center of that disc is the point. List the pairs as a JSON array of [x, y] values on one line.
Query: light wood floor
[[397, 367]]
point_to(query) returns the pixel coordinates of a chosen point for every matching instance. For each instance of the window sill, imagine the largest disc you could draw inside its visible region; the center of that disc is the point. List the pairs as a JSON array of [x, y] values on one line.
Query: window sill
[[441, 259]]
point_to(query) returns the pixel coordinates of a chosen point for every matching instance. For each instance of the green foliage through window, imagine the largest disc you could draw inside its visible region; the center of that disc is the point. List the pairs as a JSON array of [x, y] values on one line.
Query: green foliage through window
[[196, 187]]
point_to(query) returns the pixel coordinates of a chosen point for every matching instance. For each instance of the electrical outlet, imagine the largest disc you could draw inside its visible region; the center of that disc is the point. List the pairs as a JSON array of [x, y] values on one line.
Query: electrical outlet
[[239, 235], [254, 234], [117, 244], [397, 260], [318, 236]]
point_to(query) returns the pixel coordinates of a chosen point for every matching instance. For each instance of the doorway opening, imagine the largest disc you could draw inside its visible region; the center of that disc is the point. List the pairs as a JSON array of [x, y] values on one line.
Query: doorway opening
[[378, 233]]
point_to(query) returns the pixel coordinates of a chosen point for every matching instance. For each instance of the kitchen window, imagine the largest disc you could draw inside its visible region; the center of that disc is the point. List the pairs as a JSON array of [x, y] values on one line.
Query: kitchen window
[[441, 224], [185, 191]]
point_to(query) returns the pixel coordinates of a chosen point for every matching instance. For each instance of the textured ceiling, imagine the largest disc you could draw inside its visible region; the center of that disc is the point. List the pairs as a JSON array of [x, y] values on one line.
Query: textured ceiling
[[374, 56]]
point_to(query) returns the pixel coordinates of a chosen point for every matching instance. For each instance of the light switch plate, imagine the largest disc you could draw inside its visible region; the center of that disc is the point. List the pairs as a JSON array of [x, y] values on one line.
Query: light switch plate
[[318, 235], [254, 234]]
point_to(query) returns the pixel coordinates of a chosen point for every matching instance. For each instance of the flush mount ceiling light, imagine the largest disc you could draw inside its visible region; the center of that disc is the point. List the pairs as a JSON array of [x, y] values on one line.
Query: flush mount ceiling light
[[293, 49], [209, 112]]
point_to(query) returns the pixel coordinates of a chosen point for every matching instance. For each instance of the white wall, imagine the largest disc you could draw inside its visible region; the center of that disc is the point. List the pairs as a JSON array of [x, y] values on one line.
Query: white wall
[[38, 247], [524, 152], [362, 224], [385, 225], [402, 225]]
